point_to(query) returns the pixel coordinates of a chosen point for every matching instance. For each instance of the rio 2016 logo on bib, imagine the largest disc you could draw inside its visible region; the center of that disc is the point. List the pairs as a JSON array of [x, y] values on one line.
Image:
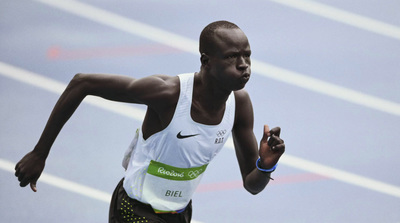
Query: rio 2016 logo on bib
[[174, 173]]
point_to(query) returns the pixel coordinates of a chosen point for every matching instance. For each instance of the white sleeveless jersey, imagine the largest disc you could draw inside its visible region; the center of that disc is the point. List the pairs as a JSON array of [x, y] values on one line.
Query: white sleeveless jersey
[[165, 169]]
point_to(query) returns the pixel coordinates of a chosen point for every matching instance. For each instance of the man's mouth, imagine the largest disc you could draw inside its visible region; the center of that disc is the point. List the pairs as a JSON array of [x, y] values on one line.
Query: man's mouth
[[245, 77]]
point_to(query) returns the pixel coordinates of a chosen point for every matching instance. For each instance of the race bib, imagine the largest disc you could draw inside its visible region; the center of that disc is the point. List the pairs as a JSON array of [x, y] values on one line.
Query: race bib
[[168, 188]]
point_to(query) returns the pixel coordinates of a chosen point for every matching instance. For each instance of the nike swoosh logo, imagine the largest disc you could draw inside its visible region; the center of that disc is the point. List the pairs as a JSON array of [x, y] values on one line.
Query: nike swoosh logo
[[179, 136]]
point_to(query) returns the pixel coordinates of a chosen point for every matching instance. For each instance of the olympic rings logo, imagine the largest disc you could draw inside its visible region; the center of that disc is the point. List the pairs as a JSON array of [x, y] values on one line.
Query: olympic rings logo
[[194, 174], [221, 133]]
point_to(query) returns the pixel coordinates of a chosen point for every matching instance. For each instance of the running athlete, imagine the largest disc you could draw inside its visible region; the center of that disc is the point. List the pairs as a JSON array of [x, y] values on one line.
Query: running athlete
[[188, 119]]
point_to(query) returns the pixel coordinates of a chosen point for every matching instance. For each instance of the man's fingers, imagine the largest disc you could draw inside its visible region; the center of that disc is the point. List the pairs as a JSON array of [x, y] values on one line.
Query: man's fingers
[[266, 133], [21, 177], [17, 169], [33, 186], [272, 137], [274, 141], [280, 147], [16, 166], [275, 131], [17, 172], [23, 182]]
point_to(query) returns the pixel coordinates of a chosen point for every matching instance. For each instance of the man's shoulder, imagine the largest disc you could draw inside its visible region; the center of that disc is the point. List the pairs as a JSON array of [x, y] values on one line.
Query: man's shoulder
[[163, 82], [172, 82], [164, 77], [242, 96], [244, 108]]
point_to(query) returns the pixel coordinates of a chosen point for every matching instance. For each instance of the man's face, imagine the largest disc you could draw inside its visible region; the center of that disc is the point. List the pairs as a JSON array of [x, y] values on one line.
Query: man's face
[[229, 62]]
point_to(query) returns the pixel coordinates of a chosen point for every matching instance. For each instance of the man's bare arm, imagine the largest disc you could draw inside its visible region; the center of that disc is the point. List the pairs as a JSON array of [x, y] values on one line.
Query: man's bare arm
[[247, 150], [153, 91]]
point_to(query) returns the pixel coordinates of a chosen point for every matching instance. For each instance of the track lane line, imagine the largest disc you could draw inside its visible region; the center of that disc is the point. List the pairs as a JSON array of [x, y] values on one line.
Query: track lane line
[[63, 183], [342, 16], [66, 184], [57, 87], [326, 88], [190, 46]]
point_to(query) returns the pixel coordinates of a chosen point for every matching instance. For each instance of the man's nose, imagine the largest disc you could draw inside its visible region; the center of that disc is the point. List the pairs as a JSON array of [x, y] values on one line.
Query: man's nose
[[242, 63]]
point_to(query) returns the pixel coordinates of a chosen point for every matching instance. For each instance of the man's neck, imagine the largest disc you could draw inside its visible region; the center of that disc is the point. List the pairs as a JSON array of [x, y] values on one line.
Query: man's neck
[[207, 92]]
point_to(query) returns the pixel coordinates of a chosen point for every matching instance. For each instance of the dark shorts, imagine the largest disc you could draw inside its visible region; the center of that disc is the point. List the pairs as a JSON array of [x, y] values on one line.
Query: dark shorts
[[124, 209]]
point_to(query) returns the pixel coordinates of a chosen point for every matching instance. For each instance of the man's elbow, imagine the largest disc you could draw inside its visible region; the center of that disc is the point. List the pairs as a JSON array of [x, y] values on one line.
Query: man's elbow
[[251, 190], [78, 79], [78, 83]]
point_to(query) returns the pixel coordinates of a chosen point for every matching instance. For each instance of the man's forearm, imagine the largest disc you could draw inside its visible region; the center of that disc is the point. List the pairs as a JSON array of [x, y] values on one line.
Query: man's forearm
[[62, 111], [256, 181]]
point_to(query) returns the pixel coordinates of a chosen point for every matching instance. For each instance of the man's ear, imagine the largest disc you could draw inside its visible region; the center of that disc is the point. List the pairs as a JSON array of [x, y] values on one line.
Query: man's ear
[[204, 59]]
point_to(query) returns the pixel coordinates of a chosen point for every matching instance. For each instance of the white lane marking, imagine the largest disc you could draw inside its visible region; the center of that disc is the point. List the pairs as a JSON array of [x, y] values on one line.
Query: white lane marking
[[185, 44], [326, 88], [333, 173], [58, 87], [295, 162], [63, 184], [341, 175], [124, 24], [339, 15], [66, 184]]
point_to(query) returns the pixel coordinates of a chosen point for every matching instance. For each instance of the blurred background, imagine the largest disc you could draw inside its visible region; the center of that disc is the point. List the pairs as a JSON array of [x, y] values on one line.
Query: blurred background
[[326, 72]]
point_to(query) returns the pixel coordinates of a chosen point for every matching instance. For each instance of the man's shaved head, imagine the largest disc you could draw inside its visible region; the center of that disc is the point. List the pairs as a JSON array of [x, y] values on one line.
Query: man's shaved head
[[207, 35]]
